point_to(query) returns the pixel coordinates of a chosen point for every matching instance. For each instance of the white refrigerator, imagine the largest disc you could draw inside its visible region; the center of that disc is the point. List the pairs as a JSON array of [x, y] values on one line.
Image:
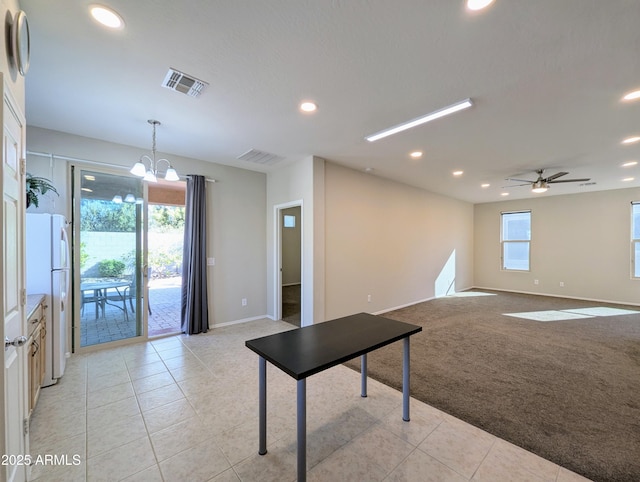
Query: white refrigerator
[[48, 270]]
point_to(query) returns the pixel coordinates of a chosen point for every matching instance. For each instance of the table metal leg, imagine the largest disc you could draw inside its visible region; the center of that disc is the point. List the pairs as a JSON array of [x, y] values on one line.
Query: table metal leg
[[302, 430], [262, 404], [97, 297], [363, 374], [405, 381]]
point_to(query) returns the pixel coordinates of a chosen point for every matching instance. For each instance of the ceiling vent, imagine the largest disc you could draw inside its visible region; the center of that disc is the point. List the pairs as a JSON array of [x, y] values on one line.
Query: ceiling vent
[[260, 157], [181, 82]]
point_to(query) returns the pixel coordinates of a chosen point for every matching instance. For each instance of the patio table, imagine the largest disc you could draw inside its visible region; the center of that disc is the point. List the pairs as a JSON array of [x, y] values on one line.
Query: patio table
[[100, 286]]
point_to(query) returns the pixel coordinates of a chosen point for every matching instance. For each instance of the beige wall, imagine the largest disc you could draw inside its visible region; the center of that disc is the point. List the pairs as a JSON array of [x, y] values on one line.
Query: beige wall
[[299, 183], [582, 240], [235, 213], [391, 241]]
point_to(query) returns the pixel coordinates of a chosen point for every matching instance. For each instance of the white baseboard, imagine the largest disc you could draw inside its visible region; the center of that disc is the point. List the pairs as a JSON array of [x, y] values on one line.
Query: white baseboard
[[238, 322], [386, 310], [597, 300]]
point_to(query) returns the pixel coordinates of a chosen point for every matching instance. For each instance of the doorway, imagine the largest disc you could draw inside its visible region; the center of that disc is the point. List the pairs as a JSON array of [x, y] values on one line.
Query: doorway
[[166, 214], [290, 234], [128, 276], [109, 225]]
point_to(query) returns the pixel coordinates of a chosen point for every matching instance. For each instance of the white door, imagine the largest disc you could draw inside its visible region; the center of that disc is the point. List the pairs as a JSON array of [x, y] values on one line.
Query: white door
[[15, 441]]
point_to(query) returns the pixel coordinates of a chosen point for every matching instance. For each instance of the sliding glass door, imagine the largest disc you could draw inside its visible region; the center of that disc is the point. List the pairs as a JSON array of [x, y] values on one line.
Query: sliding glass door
[[108, 238]]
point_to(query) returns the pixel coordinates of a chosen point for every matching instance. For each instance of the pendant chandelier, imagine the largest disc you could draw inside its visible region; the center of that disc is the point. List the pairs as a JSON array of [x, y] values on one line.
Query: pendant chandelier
[[140, 169]]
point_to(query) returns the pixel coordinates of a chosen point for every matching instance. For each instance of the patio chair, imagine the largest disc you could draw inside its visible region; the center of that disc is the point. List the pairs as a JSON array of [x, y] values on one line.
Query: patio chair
[[131, 294], [92, 296]]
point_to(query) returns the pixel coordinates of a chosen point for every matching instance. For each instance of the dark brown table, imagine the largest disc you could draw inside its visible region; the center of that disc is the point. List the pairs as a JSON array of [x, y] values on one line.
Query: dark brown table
[[303, 352]]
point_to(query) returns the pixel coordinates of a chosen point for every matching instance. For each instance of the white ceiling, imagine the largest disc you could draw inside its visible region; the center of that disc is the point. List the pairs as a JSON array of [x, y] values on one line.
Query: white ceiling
[[546, 78]]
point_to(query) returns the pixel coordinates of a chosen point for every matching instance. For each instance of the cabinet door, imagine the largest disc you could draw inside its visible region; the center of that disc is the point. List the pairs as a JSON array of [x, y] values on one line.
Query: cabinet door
[[34, 369]]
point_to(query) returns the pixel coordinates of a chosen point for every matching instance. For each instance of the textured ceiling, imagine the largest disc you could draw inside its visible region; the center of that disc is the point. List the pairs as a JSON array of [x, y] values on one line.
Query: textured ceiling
[[546, 78]]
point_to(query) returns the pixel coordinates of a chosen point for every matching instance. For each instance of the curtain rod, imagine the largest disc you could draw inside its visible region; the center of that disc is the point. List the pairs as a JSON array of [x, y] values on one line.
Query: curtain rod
[[87, 161]]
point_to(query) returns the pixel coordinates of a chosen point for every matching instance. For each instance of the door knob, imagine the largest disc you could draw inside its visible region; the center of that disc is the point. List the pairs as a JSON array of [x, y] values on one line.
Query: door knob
[[17, 341]]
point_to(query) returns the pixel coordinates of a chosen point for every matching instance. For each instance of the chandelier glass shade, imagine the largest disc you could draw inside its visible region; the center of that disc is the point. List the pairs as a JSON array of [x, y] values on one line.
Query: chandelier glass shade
[[150, 174]]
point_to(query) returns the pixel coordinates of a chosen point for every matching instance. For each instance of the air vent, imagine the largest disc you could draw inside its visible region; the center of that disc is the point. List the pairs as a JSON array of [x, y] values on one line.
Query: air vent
[[181, 82], [260, 157], [592, 183]]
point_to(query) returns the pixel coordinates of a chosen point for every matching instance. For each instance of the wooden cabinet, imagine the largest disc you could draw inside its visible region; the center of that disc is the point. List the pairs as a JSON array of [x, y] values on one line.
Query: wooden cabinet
[[37, 345]]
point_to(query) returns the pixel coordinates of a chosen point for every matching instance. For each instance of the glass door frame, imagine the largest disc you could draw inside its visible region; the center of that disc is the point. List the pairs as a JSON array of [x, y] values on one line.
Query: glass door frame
[[142, 295]]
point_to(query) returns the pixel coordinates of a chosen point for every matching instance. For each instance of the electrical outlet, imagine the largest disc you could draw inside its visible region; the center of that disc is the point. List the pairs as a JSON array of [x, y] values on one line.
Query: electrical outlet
[[561, 284], [244, 302], [211, 261], [369, 298], [535, 282]]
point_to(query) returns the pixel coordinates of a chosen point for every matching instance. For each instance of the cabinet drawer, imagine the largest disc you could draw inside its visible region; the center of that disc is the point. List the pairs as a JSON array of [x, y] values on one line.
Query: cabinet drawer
[[35, 318]]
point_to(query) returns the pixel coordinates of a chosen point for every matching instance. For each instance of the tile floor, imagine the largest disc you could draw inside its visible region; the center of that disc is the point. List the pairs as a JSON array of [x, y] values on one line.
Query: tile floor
[[185, 409]]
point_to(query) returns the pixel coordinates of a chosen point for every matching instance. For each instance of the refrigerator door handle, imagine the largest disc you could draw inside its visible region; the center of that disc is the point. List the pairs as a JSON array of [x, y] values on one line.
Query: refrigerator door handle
[[65, 251]]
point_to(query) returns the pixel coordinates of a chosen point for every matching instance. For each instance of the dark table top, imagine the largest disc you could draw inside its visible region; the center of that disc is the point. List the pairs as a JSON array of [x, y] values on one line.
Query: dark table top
[[309, 350]]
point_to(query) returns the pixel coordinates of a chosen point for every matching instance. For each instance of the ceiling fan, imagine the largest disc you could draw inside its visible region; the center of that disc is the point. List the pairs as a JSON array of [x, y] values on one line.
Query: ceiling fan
[[542, 183]]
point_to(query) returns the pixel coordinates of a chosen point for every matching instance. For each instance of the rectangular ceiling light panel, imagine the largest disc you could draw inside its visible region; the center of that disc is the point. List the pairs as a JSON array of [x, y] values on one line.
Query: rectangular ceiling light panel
[[465, 104]]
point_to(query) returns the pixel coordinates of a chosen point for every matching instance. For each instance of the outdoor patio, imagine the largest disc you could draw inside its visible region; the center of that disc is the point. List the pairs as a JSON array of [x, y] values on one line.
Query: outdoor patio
[[164, 316]]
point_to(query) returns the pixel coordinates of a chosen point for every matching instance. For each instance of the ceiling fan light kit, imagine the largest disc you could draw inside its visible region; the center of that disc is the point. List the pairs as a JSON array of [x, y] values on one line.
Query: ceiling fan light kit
[[541, 184], [539, 187]]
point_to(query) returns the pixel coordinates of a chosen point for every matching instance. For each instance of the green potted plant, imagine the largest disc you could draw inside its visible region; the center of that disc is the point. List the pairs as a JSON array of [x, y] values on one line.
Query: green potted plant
[[35, 187]]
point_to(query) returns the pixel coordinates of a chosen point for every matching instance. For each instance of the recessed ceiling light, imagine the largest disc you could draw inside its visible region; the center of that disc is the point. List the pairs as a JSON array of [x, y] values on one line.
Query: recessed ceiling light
[[308, 107], [632, 95], [368, 169], [106, 16], [457, 173], [630, 164], [465, 104], [631, 140], [478, 4], [485, 185], [504, 194], [416, 154], [627, 179]]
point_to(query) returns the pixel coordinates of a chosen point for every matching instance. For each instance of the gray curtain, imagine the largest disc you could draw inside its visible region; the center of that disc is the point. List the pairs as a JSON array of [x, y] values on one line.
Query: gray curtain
[[195, 315]]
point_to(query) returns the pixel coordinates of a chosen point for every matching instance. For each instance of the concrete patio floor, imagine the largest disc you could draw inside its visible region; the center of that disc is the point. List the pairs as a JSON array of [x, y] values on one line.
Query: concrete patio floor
[[164, 316]]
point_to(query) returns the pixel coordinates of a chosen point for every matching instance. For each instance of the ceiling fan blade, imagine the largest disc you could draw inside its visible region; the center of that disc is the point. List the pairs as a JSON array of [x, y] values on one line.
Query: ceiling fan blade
[[516, 185], [519, 180], [555, 176], [569, 180]]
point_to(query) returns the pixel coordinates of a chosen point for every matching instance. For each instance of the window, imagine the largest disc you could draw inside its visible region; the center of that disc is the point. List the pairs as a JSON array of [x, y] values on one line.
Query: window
[[635, 239], [516, 240], [289, 221]]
